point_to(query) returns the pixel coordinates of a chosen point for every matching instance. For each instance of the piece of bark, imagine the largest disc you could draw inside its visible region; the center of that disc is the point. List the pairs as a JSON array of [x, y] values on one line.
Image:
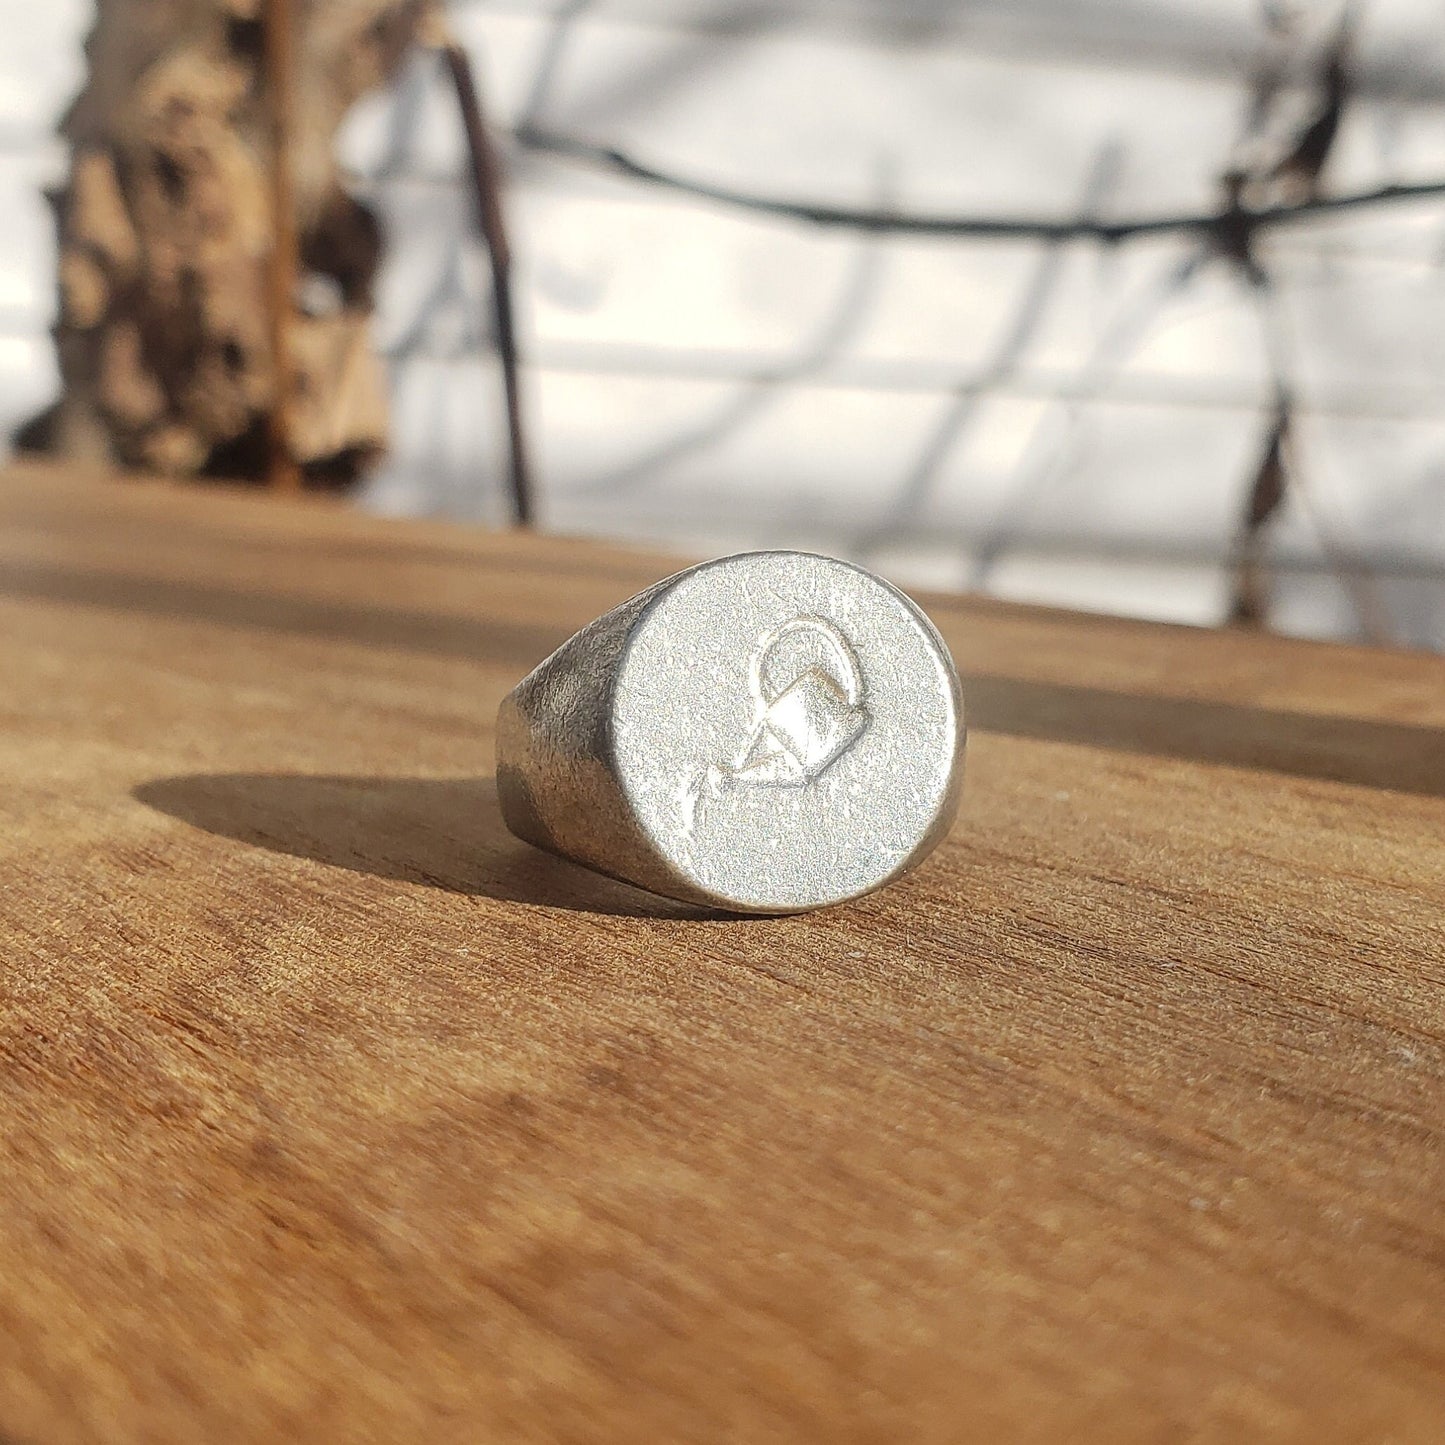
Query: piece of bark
[[165, 232]]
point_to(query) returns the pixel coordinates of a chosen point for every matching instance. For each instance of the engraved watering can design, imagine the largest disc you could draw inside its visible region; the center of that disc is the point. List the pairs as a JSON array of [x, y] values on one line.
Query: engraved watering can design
[[805, 726]]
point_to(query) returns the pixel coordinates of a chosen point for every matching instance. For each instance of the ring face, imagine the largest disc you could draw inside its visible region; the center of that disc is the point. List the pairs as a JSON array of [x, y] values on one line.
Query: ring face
[[787, 730]]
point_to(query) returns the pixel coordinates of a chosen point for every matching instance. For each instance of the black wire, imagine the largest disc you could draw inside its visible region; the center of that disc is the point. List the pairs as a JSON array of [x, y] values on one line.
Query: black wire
[[1228, 223]]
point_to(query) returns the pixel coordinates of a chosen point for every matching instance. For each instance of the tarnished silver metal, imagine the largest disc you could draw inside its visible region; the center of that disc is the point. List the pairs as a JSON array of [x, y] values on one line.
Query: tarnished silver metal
[[764, 733]]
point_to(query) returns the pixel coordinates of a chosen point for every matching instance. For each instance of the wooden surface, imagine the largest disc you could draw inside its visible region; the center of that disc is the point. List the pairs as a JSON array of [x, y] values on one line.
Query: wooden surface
[[332, 1113]]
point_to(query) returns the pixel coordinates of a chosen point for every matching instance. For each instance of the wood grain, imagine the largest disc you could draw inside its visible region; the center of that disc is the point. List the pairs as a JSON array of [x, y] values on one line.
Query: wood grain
[[332, 1113]]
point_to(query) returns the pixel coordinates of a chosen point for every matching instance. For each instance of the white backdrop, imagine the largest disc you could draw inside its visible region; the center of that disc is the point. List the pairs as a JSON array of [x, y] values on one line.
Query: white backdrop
[[1067, 424]]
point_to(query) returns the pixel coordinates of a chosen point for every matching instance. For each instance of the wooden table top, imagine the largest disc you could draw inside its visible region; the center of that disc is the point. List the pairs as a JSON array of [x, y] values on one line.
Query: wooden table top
[[333, 1113]]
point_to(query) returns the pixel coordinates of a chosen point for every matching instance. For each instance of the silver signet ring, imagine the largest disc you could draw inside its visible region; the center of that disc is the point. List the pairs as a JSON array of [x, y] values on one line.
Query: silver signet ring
[[763, 733]]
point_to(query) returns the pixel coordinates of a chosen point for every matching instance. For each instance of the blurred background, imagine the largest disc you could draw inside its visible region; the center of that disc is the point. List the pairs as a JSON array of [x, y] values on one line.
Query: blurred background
[[1197, 422]]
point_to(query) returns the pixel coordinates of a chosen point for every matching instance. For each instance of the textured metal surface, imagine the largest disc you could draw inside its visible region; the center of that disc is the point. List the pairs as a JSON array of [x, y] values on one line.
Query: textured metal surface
[[768, 733]]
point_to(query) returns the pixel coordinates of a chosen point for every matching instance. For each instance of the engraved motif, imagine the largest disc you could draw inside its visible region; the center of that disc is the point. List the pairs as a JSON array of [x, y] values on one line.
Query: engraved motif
[[805, 726], [800, 729]]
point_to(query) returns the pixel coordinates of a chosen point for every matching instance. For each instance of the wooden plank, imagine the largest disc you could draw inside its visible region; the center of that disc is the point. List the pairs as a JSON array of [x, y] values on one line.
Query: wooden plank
[[331, 1112]]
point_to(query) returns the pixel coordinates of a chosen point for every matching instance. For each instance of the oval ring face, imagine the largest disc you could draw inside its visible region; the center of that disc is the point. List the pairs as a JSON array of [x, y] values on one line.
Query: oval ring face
[[788, 730]]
